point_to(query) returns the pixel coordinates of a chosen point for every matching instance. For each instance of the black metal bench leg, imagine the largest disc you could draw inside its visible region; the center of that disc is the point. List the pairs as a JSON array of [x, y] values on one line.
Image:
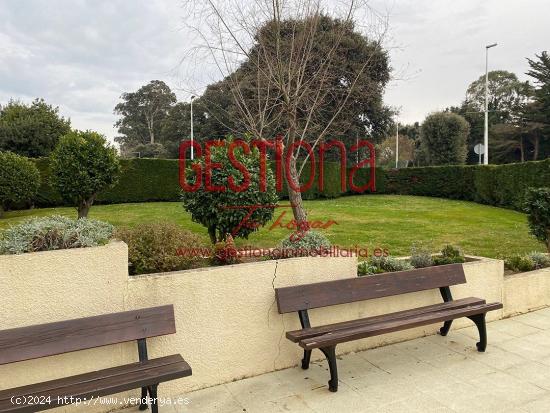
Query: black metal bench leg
[[143, 401], [306, 359], [446, 327], [330, 354], [154, 398], [479, 320]]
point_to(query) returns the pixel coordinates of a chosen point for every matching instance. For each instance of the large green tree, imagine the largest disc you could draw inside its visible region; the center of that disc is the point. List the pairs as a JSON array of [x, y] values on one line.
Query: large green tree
[[537, 118], [509, 136], [443, 137], [142, 114], [31, 130]]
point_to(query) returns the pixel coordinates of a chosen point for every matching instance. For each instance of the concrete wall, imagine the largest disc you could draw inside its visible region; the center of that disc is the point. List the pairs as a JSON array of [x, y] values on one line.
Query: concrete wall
[[527, 291], [227, 321]]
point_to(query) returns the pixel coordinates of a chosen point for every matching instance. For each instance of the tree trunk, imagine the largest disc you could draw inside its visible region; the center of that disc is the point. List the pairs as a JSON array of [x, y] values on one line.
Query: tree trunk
[[1, 210], [521, 149], [295, 197], [212, 234], [536, 145], [84, 207]]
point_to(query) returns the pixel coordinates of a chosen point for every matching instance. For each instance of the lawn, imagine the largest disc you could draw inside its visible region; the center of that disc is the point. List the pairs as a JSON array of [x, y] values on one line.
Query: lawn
[[386, 221]]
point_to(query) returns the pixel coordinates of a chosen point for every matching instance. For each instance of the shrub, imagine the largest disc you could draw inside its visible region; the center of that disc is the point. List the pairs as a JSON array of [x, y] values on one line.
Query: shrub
[[366, 268], [390, 264], [228, 212], [443, 138], [83, 165], [225, 252], [421, 257], [302, 244], [519, 263], [538, 208], [54, 233], [540, 260], [156, 247], [19, 179], [449, 255]]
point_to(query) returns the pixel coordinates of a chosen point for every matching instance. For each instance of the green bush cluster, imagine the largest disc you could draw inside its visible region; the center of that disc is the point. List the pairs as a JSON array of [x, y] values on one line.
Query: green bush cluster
[[54, 233], [19, 180], [528, 262], [156, 247], [421, 256], [382, 264], [302, 244], [449, 255], [498, 185], [537, 206]]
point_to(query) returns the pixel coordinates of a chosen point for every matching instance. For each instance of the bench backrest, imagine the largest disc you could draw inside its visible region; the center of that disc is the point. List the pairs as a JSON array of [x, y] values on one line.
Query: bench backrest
[[324, 294], [25, 343]]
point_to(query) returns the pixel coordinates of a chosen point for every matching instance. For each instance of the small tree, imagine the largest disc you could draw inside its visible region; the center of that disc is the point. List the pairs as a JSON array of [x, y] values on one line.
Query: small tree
[[19, 179], [443, 138], [82, 166], [538, 208], [238, 213]]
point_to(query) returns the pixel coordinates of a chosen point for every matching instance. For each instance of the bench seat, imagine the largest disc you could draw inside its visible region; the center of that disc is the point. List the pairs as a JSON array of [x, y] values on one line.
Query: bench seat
[[395, 322], [98, 383], [297, 335]]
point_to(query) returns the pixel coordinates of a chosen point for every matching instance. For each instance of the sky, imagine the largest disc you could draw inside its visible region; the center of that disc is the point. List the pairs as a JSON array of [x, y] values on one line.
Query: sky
[[82, 55]]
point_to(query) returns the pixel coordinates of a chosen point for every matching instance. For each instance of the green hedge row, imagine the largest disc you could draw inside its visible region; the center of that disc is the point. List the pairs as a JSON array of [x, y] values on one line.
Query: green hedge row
[[498, 185], [146, 180], [141, 180]]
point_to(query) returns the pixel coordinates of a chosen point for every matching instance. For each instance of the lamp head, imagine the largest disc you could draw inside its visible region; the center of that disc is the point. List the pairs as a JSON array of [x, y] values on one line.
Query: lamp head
[[491, 45]]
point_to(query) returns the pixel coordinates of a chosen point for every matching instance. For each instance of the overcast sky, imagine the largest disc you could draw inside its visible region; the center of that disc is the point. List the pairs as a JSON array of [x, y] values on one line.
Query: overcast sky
[[82, 55]]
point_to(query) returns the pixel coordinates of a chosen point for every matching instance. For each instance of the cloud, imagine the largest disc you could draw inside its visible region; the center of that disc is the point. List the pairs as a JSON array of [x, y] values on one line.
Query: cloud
[[82, 55]]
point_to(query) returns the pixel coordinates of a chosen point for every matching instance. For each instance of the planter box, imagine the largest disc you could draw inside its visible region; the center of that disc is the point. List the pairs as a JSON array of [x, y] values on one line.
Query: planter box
[[227, 321], [526, 291]]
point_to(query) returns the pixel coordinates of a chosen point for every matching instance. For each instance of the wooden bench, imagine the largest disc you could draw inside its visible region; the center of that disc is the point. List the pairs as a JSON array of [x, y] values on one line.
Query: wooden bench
[[301, 298], [61, 337]]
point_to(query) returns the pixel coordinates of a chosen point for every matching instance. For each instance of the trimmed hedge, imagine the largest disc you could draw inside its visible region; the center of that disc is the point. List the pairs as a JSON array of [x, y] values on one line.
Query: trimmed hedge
[[141, 180], [498, 185], [148, 180]]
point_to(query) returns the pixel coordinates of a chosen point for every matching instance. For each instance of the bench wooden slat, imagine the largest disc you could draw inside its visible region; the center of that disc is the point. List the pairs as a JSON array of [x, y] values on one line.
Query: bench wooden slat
[[324, 294], [25, 343], [384, 327], [91, 376], [297, 335], [109, 381]]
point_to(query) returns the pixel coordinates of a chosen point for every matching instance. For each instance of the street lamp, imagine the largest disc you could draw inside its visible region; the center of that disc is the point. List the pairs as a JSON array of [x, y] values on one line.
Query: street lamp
[[486, 132], [397, 146], [192, 149]]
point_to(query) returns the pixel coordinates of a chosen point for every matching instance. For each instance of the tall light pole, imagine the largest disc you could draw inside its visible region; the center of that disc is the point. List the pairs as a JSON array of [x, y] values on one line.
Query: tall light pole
[[192, 137], [486, 132], [397, 146]]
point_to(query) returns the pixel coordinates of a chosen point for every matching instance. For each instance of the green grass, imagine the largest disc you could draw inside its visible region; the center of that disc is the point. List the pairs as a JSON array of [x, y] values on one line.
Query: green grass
[[387, 221]]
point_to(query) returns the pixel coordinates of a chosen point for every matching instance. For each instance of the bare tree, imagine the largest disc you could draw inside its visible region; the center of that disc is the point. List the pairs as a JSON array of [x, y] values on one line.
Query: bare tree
[[281, 81]]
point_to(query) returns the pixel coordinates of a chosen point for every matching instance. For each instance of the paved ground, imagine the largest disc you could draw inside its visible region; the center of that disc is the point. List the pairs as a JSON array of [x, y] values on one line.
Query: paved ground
[[430, 374]]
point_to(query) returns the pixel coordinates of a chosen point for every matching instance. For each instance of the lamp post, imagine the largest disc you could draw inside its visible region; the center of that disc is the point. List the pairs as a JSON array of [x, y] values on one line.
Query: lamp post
[[397, 146], [192, 137], [486, 131]]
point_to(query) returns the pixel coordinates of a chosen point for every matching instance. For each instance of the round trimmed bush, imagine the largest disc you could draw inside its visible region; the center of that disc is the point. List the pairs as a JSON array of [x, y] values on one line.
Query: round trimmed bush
[[19, 179]]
